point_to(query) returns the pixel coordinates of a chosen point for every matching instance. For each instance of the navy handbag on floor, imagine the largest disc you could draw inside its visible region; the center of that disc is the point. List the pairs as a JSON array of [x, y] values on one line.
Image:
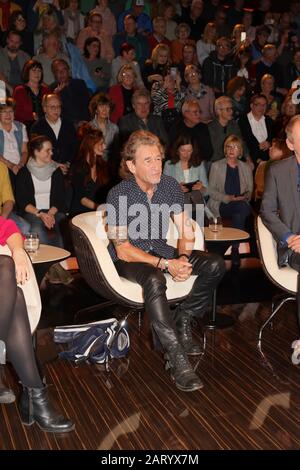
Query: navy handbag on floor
[[97, 342]]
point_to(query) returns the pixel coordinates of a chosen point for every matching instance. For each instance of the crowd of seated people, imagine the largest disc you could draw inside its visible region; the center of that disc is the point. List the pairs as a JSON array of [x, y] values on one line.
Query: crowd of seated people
[[194, 73]]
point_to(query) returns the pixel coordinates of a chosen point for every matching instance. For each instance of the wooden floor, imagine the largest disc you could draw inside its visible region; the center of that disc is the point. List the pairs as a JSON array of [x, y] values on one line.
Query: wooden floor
[[243, 405]]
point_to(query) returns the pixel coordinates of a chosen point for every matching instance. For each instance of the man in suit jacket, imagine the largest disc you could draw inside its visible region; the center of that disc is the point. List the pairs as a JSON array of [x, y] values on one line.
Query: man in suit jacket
[[60, 131], [280, 208]]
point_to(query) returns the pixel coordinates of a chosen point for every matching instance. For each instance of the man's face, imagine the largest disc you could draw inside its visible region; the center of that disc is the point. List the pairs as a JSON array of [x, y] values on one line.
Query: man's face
[[141, 107], [223, 49], [13, 42], [197, 8], [129, 56], [147, 167], [192, 115], [130, 26], [259, 107], [6, 116], [61, 72], [188, 54], [295, 144], [225, 110], [52, 109], [96, 23]]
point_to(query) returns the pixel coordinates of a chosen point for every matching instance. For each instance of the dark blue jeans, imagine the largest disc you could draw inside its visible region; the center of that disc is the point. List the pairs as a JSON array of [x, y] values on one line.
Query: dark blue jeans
[[48, 237], [237, 211]]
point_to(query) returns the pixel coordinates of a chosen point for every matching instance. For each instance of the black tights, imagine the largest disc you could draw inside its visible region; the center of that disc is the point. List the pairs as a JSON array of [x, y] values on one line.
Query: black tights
[[15, 327]]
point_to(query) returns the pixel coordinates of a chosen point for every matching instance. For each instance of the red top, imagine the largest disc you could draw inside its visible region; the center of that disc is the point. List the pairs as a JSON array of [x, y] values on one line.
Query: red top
[[23, 109], [7, 228], [116, 95]]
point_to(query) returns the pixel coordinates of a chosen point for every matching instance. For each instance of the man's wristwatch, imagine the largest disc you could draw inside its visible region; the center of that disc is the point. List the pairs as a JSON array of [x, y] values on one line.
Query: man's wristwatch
[[166, 266]]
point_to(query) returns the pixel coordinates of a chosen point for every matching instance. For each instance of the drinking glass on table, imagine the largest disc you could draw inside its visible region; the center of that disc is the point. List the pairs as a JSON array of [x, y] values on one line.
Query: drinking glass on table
[[215, 224], [31, 242]]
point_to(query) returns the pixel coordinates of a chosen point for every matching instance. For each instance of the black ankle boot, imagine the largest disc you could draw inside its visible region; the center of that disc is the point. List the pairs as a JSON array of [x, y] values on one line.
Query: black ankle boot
[[6, 395], [181, 370], [35, 406], [184, 333]]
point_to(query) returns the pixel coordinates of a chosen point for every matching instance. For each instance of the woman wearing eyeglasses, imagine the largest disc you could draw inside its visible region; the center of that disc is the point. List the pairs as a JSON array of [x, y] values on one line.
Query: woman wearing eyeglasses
[[203, 93], [231, 186], [121, 94]]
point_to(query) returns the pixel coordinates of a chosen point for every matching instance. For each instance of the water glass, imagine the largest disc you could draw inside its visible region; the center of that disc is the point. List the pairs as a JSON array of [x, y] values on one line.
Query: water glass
[[215, 224], [31, 242]]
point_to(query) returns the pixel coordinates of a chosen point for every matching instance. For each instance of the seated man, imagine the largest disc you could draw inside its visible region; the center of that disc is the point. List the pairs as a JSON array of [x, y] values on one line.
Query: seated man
[[280, 204], [60, 131], [140, 252], [142, 118], [73, 93]]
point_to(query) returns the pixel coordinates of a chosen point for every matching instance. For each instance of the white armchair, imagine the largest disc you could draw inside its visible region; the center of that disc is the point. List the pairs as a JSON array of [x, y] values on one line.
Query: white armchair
[[31, 294], [97, 268]]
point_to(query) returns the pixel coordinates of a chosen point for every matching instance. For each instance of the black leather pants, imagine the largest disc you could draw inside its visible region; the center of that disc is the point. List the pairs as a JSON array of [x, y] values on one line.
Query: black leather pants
[[210, 269]]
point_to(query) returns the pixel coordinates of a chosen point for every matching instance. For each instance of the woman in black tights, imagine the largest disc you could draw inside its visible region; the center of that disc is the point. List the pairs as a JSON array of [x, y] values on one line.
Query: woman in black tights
[[15, 332]]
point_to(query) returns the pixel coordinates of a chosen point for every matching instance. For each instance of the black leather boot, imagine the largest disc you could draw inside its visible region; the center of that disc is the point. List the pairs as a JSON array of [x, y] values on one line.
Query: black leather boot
[[7, 395], [181, 370], [35, 406], [184, 332]]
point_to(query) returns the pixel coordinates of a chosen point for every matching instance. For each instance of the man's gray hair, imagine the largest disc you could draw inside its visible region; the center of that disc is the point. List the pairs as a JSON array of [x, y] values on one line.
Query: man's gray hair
[[220, 102], [187, 103], [140, 93]]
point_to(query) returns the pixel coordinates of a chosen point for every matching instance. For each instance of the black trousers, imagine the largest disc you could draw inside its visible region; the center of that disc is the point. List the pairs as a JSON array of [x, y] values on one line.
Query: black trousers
[[209, 268]]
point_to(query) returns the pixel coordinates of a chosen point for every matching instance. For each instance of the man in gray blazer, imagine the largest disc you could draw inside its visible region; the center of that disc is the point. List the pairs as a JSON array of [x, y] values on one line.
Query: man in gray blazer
[[280, 209]]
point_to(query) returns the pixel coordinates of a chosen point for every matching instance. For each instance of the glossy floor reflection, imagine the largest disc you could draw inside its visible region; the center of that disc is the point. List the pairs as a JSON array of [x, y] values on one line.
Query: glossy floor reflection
[[135, 406]]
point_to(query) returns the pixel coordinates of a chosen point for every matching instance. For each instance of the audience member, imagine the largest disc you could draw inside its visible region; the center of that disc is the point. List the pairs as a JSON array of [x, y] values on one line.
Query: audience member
[[231, 186], [99, 69], [121, 94], [186, 166], [131, 36], [59, 131], [28, 97], [222, 127], [218, 67], [196, 90], [100, 108], [95, 29], [257, 129], [190, 123], [141, 118], [73, 93], [12, 60], [207, 44], [91, 175]]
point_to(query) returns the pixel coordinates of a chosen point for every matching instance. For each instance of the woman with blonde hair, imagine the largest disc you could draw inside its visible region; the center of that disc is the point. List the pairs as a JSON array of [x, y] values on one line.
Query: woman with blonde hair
[[156, 67], [267, 85], [231, 186], [208, 42], [182, 32], [121, 93], [196, 90]]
